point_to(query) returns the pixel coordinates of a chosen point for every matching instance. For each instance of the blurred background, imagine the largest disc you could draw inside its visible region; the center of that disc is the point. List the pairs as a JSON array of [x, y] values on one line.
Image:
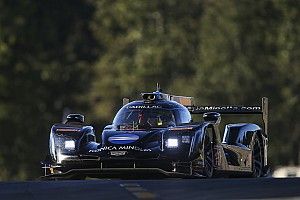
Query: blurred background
[[83, 56]]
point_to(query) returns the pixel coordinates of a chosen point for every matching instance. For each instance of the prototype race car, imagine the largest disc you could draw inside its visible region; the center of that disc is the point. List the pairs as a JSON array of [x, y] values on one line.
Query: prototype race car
[[156, 136]]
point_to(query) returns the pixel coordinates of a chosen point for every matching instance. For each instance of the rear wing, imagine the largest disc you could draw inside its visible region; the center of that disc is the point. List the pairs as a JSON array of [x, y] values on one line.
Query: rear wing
[[188, 102], [233, 109]]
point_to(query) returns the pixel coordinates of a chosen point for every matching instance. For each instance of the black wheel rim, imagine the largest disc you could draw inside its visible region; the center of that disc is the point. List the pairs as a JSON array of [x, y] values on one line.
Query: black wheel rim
[[208, 157], [257, 159]]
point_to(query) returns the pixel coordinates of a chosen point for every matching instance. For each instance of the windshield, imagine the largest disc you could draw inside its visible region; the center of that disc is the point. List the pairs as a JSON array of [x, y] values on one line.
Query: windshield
[[144, 118]]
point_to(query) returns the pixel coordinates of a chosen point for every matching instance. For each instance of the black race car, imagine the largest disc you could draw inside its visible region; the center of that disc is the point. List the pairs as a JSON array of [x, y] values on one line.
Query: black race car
[[156, 136]]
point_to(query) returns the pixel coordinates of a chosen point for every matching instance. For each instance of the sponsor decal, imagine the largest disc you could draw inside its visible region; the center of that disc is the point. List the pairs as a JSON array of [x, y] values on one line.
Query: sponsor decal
[[185, 139], [224, 108], [123, 138], [67, 130], [228, 108], [119, 148], [180, 128], [144, 107], [118, 153]]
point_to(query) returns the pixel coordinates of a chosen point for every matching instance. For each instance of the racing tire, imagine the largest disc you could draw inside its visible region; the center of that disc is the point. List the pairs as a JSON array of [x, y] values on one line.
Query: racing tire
[[208, 156], [257, 158]]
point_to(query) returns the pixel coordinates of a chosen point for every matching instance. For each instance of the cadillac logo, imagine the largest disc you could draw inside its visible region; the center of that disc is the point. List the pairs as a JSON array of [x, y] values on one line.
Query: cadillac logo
[[118, 153]]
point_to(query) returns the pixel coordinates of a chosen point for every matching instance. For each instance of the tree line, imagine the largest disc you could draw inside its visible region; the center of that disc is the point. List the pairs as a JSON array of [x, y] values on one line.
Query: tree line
[[85, 56]]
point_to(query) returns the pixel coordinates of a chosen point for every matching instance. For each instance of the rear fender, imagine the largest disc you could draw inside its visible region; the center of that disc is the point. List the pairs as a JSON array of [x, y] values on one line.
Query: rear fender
[[244, 135], [241, 134], [264, 144]]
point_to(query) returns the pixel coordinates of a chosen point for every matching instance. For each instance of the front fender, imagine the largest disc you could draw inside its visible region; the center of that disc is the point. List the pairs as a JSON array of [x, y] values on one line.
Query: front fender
[[61, 133]]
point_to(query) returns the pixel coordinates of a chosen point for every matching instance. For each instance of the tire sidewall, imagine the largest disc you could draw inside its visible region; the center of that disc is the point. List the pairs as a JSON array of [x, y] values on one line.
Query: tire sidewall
[[255, 141], [208, 174]]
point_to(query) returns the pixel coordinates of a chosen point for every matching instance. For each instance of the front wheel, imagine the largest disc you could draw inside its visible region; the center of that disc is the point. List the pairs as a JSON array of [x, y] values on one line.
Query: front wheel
[[208, 157]]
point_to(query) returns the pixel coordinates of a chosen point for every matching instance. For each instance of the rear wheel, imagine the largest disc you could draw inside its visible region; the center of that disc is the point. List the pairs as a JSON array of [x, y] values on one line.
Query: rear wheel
[[208, 156], [257, 158]]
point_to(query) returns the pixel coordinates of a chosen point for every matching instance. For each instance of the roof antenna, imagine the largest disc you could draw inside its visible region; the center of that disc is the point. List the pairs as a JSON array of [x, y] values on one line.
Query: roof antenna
[[158, 89]]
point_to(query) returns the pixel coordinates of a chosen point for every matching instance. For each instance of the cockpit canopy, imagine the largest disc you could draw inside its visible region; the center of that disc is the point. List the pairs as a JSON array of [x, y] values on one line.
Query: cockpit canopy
[[138, 115]]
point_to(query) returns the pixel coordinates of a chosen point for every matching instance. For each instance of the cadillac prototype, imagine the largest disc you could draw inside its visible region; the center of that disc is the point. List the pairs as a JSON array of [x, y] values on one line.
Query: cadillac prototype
[[157, 136]]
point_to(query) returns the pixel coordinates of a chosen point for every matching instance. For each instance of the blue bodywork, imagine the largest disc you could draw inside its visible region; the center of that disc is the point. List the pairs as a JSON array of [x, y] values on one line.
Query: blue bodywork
[[155, 134]]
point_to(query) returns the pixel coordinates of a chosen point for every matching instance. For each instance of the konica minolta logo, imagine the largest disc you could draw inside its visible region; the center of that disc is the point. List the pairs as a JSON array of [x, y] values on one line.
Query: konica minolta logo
[[123, 138], [225, 108]]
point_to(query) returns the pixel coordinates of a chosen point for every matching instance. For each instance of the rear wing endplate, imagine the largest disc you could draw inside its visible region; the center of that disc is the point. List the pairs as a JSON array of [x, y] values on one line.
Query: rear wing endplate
[[260, 109]]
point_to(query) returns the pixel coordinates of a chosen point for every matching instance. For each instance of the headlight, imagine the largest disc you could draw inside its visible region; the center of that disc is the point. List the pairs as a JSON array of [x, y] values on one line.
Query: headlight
[[70, 144], [172, 143]]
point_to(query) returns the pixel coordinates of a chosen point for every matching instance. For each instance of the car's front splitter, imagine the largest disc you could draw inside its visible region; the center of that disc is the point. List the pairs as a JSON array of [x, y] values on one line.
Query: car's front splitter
[[126, 173]]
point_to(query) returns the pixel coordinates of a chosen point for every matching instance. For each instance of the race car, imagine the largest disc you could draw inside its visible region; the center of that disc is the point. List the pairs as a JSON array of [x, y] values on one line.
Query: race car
[[157, 136]]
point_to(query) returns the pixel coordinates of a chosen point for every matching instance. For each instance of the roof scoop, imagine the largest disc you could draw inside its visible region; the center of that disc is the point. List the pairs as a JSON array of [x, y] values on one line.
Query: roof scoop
[[152, 96], [75, 118], [158, 95]]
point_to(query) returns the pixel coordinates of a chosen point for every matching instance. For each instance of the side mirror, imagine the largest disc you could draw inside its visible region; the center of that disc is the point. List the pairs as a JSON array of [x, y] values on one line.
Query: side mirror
[[108, 127], [213, 117]]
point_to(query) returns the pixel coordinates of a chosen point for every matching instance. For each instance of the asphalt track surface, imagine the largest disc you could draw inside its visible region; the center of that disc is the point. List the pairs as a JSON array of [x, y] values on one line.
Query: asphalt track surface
[[239, 188]]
